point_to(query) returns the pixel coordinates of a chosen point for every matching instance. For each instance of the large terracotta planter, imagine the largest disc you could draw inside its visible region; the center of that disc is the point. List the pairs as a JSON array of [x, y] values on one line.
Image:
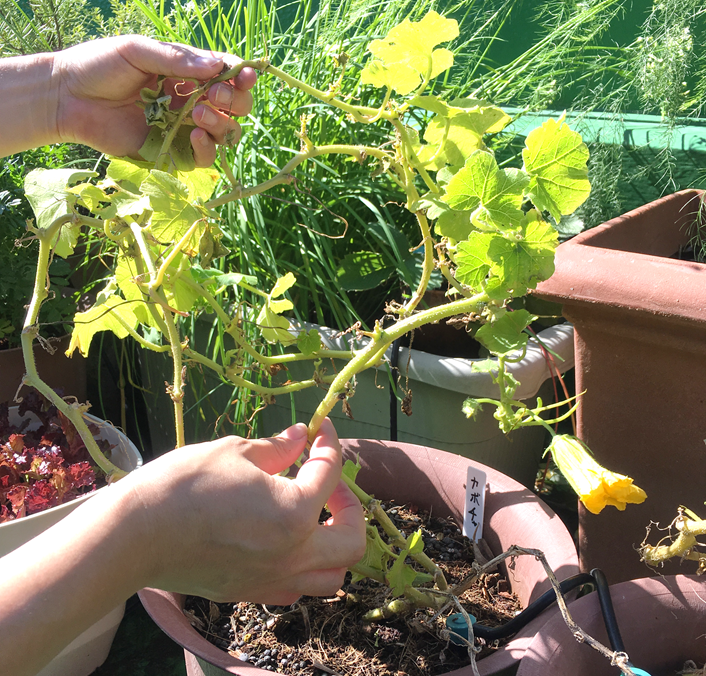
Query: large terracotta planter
[[433, 479], [88, 651], [639, 321], [661, 621]]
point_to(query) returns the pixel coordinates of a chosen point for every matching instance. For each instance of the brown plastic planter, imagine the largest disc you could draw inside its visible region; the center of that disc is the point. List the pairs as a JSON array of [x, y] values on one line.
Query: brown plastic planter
[[432, 479], [661, 622], [640, 345]]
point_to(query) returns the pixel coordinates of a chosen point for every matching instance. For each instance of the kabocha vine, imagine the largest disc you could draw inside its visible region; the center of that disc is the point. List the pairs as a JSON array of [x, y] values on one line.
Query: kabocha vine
[[489, 230]]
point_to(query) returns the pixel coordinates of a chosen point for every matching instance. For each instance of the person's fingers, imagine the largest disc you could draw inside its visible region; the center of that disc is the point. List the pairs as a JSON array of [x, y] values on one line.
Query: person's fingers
[[230, 99], [276, 454], [340, 542], [319, 475], [221, 127], [204, 147], [319, 582], [172, 60]]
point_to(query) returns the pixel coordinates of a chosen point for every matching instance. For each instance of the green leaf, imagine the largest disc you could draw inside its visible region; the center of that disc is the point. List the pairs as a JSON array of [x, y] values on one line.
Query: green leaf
[[174, 213], [350, 469], [407, 55], [522, 260], [126, 277], [481, 183], [132, 172], [506, 334], [473, 260], [46, 191], [485, 366], [216, 276], [309, 342], [363, 270], [400, 575], [376, 554], [181, 154], [274, 327], [415, 543], [455, 224], [457, 130], [555, 157], [112, 315]]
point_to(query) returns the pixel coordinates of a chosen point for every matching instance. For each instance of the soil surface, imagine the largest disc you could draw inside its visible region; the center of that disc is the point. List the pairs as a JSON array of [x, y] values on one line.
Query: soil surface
[[320, 636]]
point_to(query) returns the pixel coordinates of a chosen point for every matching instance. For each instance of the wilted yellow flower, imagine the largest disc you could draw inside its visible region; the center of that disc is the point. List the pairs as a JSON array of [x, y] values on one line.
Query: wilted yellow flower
[[596, 486]]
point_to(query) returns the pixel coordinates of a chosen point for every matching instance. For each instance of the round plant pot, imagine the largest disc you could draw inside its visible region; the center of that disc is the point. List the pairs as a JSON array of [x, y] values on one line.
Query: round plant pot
[[435, 480], [661, 621], [87, 652]]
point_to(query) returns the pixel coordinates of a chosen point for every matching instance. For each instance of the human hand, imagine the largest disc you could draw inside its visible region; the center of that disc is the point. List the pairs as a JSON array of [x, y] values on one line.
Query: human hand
[[223, 525], [97, 84]]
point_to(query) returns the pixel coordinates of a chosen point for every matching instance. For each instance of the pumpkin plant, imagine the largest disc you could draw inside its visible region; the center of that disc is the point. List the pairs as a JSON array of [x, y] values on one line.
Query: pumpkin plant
[[489, 230]]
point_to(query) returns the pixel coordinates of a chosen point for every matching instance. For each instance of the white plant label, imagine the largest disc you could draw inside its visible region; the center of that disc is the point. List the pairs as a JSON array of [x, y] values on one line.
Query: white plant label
[[475, 504]]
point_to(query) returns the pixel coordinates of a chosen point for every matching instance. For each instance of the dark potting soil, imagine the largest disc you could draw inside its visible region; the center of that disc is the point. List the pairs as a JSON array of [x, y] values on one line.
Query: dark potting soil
[[318, 636]]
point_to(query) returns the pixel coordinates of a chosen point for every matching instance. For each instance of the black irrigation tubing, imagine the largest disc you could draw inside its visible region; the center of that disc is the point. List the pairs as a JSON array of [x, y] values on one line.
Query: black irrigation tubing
[[532, 610]]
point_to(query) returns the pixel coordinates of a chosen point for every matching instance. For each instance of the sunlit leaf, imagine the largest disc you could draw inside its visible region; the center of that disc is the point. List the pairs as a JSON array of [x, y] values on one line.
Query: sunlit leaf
[[113, 315], [555, 157], [473, 260], [274, 327], [283, 284], [400, 575], [407, 55], [455, 224], [525, 259], [174, 213], [481, 183]]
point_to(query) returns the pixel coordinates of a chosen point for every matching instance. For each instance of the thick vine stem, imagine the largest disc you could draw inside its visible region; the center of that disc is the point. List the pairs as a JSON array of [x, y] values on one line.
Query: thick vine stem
[[284, 175], [381, 340], [29, 333], [683, 547]]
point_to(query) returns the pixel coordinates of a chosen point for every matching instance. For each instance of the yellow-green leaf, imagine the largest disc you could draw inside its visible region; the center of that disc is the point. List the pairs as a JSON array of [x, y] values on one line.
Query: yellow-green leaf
[[481, 183], [406, 56], [46, 191], [283, 284], [115, 314], [556, 159], [274, 327]]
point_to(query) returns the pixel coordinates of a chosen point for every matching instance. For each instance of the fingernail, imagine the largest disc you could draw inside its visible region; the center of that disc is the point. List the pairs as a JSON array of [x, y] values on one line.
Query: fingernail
[[202, 138], [208, 117], [224, 95]]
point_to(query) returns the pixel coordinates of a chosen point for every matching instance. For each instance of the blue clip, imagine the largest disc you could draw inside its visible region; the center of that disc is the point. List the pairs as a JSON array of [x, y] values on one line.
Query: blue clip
[[459, 627]]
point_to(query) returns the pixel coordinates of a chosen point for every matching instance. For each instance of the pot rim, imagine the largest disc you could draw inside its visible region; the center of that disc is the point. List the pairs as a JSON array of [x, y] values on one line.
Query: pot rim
[[166, 608]]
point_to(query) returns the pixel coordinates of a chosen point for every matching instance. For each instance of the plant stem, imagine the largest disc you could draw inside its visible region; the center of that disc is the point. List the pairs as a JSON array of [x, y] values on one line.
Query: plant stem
[[30, 330]]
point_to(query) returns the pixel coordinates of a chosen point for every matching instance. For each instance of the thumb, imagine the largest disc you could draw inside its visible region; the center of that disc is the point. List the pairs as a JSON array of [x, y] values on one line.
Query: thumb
[[278, 453], [172, 60], [320, 474]]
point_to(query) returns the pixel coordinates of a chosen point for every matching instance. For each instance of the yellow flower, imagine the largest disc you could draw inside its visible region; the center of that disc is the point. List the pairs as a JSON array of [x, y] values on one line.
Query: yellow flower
[[595, 485]]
